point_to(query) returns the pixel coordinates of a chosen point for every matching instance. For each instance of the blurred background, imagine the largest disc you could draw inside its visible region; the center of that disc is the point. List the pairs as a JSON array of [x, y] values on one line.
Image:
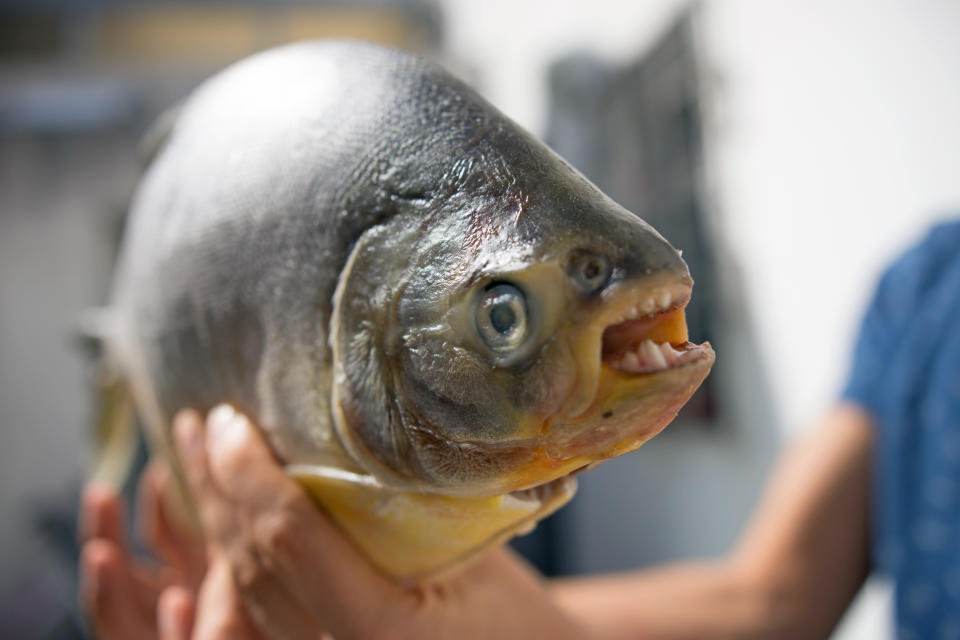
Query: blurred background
[[788, 148]]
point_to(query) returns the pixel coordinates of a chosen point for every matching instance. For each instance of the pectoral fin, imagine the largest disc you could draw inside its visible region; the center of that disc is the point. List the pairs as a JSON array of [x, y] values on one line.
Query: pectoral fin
[[409, 535], [115, 432]]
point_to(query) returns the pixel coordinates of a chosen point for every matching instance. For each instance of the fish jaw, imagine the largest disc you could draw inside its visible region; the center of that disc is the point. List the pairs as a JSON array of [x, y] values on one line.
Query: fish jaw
[[410, 535], [630, 408], [636, 368]]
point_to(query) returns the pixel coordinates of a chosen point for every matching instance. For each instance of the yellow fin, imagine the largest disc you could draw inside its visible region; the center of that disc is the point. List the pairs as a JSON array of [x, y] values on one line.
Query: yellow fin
[[410, 535], [115, 431]]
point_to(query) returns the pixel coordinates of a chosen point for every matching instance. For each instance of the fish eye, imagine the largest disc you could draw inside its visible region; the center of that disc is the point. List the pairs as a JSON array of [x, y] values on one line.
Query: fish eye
[[589, 270], [502, 317]]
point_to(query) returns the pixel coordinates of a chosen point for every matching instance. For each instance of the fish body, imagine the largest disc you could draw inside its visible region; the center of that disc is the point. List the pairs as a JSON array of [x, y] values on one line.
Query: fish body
[[433, 318]]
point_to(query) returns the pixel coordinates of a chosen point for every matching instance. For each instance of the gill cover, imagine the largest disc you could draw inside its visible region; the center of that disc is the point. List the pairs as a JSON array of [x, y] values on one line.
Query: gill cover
[[366, 414], [444, 359]]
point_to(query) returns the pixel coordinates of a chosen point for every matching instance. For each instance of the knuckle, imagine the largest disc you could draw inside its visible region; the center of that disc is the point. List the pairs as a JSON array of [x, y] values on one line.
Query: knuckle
[[276, 533], [291, 497], [249, 573]]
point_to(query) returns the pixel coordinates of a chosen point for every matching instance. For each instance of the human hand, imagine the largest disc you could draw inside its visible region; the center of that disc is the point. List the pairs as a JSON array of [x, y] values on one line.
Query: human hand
[[290, 573], [120, 593], [125, 597]]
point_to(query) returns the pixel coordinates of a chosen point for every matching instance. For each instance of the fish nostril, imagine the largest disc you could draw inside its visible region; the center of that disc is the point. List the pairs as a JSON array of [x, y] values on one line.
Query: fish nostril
[[589, 270]]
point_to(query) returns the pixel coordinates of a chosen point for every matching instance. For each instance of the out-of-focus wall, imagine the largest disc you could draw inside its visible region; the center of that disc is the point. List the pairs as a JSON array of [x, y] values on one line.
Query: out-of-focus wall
[[836, 143], [57, 200]]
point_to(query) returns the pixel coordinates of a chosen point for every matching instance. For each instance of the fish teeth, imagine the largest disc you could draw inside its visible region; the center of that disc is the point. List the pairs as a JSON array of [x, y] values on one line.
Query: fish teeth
[[657, 302], [671, 355], [650, 357], [653, 355]]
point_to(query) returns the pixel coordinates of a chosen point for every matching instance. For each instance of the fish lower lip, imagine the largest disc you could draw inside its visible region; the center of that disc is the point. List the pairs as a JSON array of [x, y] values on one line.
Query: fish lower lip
[[543, 492]]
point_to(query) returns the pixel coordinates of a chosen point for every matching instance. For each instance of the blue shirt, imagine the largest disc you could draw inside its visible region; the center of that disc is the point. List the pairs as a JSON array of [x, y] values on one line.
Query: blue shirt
[[906, 372]]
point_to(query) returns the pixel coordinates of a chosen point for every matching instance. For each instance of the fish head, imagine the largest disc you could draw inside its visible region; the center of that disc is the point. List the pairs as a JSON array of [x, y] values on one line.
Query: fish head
[[510, 338]]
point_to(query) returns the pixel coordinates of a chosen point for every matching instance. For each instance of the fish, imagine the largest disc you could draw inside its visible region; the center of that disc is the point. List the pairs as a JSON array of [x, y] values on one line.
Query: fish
[[434, 320]]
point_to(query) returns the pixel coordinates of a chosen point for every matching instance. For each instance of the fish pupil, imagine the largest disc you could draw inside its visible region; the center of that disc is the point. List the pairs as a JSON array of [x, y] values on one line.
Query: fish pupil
[[591, 270], [503, 318]]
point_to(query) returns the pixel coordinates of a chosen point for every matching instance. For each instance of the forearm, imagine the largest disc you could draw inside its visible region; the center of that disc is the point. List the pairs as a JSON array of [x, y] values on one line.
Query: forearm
[[796, 568], [691, 600]]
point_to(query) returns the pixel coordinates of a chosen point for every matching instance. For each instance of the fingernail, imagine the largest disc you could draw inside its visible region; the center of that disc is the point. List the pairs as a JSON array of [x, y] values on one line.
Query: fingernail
[[225, 427]]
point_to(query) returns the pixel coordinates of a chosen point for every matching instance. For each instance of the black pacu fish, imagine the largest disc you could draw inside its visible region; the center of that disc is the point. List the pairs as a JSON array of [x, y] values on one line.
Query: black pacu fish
[[434, 319]]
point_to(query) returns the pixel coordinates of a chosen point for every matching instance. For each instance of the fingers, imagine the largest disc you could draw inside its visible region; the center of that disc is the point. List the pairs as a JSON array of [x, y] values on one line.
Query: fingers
[[118, 592], [175, 611], [220, 612], [102, 515], [233, 488], [239, 463], [175, 545], [107, 583], [105, 591], [285, 555]]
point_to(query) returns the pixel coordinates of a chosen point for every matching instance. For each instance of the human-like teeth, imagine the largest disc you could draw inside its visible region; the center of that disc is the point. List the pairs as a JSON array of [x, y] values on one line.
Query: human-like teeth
[[658, 301], [653, 355], [671, 355], [649, 356]]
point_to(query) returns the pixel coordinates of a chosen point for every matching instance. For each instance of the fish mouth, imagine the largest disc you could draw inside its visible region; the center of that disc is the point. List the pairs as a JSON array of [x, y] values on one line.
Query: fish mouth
[[639, 334], [636, 368], [651, 336]]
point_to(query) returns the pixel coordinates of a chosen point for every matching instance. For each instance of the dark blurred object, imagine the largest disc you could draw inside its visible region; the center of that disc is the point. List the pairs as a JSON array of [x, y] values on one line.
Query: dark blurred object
[[28, 31], [179, 33], [635, 131], [41, 603]]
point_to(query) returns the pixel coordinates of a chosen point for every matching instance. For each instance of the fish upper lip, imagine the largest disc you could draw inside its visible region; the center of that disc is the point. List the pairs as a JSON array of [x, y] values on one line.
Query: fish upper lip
[[661, 300], [649, 335], [658, 298]]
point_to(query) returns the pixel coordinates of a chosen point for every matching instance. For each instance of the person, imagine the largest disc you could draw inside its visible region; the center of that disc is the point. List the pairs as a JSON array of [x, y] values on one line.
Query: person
[[874, 485]]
